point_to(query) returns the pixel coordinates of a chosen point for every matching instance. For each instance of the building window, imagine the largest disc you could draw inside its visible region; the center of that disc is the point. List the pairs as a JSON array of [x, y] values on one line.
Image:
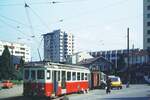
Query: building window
[[148, 40], [148, 23], [148, 32], [148, 48], [22, 48], [148, 15], [148, 7], [17, 52]]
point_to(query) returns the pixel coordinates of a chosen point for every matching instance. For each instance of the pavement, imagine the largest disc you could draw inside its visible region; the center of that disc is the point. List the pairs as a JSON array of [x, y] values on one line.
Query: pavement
[[134, 92]]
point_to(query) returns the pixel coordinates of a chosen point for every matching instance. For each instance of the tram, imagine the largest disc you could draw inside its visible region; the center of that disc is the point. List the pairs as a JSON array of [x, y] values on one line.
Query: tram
[[53, 79]]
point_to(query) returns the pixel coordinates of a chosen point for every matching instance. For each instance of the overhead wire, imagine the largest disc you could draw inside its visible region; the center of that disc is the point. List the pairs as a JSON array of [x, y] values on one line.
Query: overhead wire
[[31, 27], [18, 22], [29, 20], [42, 21], [14, 28]]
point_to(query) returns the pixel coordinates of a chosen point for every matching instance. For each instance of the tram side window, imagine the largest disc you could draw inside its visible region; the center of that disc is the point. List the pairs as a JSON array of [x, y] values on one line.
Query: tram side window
[[48, 74], [78, 76], [68, 76], [82, 76], [33, 76], [40, 74], [73, 76], [85, 77], [26, 74]]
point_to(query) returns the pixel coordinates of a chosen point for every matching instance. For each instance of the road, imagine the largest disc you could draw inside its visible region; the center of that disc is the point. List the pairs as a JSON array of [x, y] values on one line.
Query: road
[[17, 90], [135, 92]]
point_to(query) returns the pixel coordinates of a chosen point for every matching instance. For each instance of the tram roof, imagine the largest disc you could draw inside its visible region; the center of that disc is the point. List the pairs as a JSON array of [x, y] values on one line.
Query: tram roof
[[40, 64]]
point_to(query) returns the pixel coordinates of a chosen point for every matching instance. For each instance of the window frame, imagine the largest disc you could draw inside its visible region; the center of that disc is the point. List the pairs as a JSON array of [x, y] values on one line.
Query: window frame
[[43, 74], [33, 74], [28, 75], [48, 72], [68, 78], [74, 77], [78, 76]]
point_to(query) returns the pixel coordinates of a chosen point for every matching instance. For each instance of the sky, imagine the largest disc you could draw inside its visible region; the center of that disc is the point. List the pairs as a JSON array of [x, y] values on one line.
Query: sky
[[96, 24]]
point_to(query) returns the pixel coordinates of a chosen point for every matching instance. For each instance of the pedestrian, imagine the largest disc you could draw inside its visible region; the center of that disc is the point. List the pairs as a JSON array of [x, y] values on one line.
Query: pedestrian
[[127, 84], [108, 83]]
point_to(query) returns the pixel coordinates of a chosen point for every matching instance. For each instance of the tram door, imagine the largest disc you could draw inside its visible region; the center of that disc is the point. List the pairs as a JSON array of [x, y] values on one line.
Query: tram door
[[55, 81], [63, 80]]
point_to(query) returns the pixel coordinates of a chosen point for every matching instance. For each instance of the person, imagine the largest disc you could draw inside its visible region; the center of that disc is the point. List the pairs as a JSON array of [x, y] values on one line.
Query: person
[[108, 83], [128, 84]]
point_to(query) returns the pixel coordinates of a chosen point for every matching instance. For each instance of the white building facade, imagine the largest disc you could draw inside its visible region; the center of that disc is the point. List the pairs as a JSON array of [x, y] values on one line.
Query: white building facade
[[58, 45], [16, 49], [78, 57], [146, 24]]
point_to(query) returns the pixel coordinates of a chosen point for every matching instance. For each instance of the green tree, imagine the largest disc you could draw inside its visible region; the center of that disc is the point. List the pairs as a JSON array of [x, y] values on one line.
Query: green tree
[[20, 71], [7, 69]]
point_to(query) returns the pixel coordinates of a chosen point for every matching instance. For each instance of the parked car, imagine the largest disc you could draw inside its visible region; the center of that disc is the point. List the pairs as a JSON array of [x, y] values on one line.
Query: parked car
[[116, 82], [0, 85], [7, 84]]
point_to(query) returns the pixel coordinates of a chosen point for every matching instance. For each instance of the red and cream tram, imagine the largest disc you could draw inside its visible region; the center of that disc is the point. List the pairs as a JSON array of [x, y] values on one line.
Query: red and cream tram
[[52, 79]]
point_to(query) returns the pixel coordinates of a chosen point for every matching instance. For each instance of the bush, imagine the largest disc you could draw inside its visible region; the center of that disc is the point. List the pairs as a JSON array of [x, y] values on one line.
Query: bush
[[17, 82]]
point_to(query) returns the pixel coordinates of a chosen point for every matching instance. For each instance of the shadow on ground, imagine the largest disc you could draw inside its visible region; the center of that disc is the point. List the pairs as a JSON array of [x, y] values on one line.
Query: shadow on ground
[[128, 98], [23, 98]]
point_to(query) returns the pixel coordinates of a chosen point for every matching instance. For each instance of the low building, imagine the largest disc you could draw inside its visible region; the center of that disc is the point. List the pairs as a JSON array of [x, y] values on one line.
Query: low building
[[136, 56], [78, 57], [97, 63]]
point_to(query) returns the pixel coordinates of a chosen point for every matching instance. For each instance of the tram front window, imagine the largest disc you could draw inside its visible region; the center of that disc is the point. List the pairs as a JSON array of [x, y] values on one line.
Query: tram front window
[[40, 74], [26, 74], [33, 75]]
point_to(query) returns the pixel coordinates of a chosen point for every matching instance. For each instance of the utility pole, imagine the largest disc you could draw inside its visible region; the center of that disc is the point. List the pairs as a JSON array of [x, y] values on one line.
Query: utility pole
[[128, 66], [132, 53], [116, 67]]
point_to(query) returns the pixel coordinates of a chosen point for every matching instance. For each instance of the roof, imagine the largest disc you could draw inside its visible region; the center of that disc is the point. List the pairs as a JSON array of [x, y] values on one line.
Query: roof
[[91, 60], [45, 64]]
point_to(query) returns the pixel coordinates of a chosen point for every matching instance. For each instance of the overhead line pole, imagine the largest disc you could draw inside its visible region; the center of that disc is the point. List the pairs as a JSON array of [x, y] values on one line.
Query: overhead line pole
[[128, 65]]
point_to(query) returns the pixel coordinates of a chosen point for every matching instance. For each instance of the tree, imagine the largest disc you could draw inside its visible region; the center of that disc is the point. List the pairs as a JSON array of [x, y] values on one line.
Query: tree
[[6, 69], [20, 71]]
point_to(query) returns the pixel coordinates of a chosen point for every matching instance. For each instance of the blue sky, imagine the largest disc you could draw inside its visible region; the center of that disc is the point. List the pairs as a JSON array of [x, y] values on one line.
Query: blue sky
[[96, 24]]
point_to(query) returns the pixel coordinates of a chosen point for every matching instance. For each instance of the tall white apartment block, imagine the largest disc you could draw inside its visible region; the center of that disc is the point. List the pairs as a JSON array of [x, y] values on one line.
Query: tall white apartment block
[[16, 49], [146, 24], [58, 45]]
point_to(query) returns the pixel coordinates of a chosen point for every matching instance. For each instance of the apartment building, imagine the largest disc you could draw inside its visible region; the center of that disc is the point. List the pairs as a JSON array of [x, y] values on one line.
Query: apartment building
[[58, 45], [146, 24], [16, 49]]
